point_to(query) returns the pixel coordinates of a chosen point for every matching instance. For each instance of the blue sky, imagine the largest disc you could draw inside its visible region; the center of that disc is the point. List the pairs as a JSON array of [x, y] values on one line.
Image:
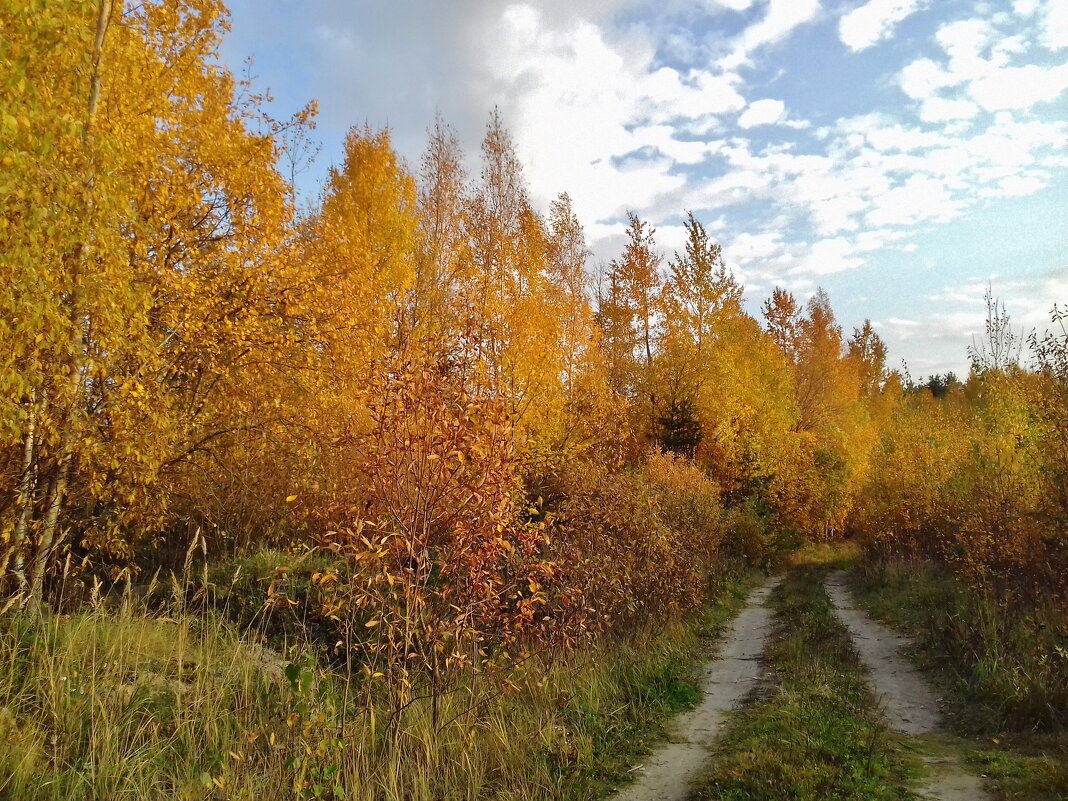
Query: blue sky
[[899, 153]]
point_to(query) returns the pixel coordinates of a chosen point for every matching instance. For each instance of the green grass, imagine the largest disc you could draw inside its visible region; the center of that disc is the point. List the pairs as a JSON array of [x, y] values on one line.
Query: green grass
[[149, 702], [813, 731], [1002, 672], [1022, 776]]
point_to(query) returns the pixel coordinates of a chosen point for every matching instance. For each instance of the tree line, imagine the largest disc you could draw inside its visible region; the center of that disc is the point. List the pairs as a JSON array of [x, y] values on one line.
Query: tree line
[[421, 377]]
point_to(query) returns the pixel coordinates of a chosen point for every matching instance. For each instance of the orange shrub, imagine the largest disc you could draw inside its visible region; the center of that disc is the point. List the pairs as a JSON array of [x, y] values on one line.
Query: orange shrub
[[446, 574], [636, 545]]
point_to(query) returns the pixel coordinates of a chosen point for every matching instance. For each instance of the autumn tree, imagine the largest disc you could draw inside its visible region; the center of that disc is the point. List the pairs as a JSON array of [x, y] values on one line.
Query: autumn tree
[[433, 317], [833, 432], [783, 318], [1051, 410], [146, 249], [629, 319], [999, 347], [615, 322], [55, 181], [570, 285], [524, 293], [360, 248], [868, 352], [700, 302], [494, 219]]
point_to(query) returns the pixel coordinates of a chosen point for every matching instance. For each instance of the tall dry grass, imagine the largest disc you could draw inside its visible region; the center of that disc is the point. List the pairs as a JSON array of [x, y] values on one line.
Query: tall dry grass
[[147, 700]]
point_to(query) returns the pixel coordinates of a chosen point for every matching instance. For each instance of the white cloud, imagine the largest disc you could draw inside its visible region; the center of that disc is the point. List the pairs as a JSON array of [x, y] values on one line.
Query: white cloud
[[877, 239], [828, 256], [979, 73], [1008, 145], [1019, 87], [942, 109], [1015, 186], [681, 151], [670, 238], [782, 17], [762, 112], [733, 5], [968, 293], [576, 104], [1055, 25], [746, 249], [837, 213], [874, 21], [886, 135], [879, 178], [918, 199], [965, 41], [920, 79], [1025, 8]]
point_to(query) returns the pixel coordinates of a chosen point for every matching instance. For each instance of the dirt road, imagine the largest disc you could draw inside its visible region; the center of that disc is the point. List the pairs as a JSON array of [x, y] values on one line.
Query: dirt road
[[727, 679]]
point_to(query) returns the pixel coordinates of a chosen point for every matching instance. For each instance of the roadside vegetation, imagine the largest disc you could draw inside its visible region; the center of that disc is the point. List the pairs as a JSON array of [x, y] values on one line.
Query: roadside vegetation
[[149, 700]]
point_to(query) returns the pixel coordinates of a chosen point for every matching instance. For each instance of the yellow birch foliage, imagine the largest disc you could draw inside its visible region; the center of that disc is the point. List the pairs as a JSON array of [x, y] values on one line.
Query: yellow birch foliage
[[143, 256], [718, 368], [525, 310], [357, 257], [963, 479], [433, 320]]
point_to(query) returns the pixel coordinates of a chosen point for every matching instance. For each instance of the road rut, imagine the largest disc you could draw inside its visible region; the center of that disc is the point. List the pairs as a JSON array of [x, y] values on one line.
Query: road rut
[[727, 679], [904, 696]]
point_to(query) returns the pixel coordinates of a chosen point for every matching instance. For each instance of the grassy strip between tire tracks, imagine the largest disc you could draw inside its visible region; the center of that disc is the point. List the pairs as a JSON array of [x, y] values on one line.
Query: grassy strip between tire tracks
[[813, 731]]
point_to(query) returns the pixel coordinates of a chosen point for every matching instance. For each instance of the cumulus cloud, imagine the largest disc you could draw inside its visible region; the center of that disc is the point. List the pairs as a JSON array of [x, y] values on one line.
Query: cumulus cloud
[[1019, 87], [877, 182], [762, 112], [978, 73], [878, 163], [1025, 8], [923, 77], [944, 109], [578, 99], [730, 5], [920, 198], [873, 22], [829, 256], [747, 249], [1055, 25]]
